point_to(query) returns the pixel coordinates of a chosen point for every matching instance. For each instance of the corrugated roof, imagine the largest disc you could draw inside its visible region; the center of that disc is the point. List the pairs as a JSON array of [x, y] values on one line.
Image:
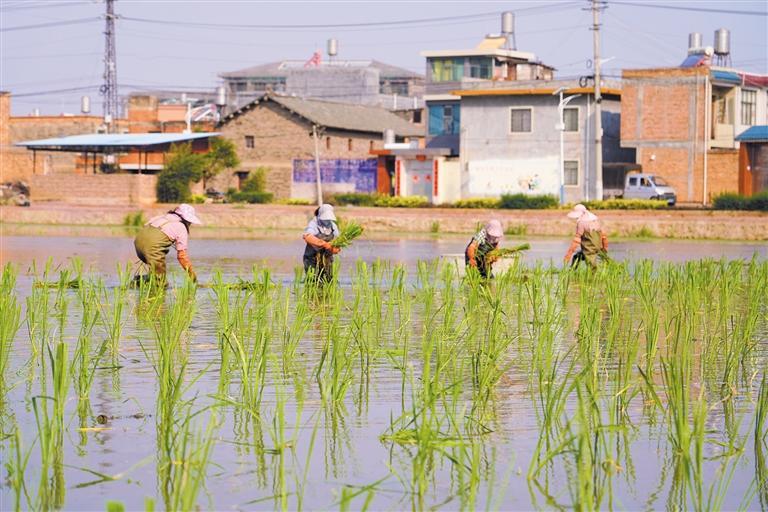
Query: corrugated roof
[[754, 134], [283, 67], [97, 141], [720, 75], [341, 116]]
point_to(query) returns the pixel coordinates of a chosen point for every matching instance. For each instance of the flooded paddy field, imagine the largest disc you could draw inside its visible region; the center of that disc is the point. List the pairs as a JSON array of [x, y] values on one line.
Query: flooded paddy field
[[401, 386]]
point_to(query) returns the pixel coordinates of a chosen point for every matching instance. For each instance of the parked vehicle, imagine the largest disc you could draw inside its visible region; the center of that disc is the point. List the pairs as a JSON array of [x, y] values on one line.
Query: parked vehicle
[[648, 186]]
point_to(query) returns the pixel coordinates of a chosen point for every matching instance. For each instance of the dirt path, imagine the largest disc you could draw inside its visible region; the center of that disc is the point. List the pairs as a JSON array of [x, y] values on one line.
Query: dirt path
[[685, 224]]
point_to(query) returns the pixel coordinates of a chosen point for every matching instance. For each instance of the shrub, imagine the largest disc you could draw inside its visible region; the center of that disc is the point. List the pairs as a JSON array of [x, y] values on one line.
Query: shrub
[[252, 190], [250, 197], [401, 201], [527, 202], [626, 204], [197, 199], [182, 168], [354, 199], [134, 219], [256, 181], [731, 201], [759, 201], [301, 202], [477, 202]]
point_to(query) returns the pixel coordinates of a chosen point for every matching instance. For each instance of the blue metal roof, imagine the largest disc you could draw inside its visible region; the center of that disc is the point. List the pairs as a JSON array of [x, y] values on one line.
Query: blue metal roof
[[726, 76], [98, 141], [754, 134]]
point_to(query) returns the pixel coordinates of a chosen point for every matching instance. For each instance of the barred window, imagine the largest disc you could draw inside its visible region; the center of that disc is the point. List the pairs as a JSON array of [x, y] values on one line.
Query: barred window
[[571, 171], [571, 119], [249, 142], [520, 120], [748, 107]]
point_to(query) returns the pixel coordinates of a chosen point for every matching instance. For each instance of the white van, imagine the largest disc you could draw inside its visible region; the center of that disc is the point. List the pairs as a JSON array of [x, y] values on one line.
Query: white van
[[648, 186]]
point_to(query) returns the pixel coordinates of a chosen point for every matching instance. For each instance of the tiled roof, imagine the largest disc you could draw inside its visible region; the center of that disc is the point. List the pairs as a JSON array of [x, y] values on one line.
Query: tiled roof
[[341, 116], [281, 69]]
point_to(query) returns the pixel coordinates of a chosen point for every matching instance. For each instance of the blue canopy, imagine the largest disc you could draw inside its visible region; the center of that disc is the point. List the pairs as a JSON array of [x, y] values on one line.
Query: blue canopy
[[117, 142], [754, 134]]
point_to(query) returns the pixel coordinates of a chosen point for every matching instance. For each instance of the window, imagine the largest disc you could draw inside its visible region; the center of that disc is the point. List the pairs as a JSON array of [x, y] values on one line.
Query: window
[[447, 70], [327, 143], [571, 173], [480, 67], [398, 87], [349, 144], [417, 116], [571, 119], [249, 142], [520, 120], [748, 107], [370, 145], [444, 119], [632, 182]]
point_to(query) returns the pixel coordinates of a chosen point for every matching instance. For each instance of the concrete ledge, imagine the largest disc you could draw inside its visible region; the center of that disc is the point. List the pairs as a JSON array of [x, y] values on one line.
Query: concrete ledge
[[684, 224]]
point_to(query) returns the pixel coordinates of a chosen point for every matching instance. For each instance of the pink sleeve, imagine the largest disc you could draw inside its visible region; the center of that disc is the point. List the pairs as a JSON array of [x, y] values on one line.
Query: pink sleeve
[[178, 235], [182, 239], [580, 228]]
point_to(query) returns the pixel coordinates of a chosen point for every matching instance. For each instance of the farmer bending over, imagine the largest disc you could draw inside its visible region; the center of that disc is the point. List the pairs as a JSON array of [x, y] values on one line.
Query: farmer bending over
[[589, 239], [158, 235], [487, 239]]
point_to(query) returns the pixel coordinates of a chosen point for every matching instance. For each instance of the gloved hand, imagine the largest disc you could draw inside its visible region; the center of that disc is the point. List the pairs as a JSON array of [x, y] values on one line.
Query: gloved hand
[[335, 250], [192, 274], [473, 262], [567, 257]]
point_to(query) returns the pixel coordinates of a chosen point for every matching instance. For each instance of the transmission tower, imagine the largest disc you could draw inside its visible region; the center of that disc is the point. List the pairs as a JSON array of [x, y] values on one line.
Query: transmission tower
[[109, 88]]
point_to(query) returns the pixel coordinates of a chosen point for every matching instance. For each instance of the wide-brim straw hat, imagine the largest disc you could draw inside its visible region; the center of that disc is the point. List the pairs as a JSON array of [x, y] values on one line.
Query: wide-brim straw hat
[[187, 212], [577, 211], [325, 212]]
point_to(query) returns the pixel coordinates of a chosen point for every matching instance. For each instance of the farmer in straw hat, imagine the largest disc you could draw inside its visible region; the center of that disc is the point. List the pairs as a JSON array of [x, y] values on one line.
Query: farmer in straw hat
[[589, 239], [321, 230], [158, 235], [487, 239]]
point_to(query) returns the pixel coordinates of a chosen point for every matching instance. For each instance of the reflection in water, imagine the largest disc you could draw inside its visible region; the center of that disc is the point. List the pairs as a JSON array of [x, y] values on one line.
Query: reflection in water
[[427, 390]]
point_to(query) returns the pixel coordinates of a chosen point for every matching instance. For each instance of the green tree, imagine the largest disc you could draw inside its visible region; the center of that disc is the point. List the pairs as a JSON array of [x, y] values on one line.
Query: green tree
[[222, 155], [182, 167]]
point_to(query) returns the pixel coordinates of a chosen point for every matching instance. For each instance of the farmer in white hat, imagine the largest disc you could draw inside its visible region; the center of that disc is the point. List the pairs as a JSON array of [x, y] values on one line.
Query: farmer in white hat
[[589, 239], [486, 240], [321, 230], [158, 235]]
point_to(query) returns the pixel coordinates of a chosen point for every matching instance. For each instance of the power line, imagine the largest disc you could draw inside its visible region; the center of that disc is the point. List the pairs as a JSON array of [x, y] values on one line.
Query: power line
[[51, 24], [692, 9], [357, 25]]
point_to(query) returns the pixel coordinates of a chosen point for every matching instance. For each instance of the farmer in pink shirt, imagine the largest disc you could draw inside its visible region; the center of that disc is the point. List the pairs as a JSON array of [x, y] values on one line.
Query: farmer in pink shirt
[[589, 238], [158, 235]]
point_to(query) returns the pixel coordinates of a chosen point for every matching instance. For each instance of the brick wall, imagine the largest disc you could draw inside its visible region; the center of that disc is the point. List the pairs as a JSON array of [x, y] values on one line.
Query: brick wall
[[99, 189], [662, 116], [723, 172], [279, 137]]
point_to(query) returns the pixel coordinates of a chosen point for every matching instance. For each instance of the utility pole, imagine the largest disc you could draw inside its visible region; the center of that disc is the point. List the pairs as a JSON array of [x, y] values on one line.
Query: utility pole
[[598, 99], [109, 87], [317, 166]]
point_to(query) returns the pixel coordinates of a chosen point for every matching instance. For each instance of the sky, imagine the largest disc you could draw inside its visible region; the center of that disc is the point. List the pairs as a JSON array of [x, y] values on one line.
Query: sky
[[51, 52]]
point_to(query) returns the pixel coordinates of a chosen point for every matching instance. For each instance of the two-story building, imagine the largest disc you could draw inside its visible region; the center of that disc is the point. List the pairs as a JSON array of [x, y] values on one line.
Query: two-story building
[[451, 70], [684, 123]]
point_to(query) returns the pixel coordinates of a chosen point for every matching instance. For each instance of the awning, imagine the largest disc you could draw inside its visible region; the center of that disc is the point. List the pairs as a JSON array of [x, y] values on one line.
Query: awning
[[754, 134], [114, 142]]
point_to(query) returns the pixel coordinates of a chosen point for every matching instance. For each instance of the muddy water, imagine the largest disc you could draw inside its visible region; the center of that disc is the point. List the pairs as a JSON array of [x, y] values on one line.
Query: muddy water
[[232, 252], [347, 452]]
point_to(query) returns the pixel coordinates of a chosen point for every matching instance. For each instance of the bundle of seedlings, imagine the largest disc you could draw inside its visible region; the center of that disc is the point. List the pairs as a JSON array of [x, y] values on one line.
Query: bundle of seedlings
[[349, 231], [508, 252]]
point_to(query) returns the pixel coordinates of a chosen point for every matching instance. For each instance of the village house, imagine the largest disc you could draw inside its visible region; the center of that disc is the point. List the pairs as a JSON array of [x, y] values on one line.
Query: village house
[[685, 122], [449, 70], [282, 135], [511, 141], [363, 81]]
